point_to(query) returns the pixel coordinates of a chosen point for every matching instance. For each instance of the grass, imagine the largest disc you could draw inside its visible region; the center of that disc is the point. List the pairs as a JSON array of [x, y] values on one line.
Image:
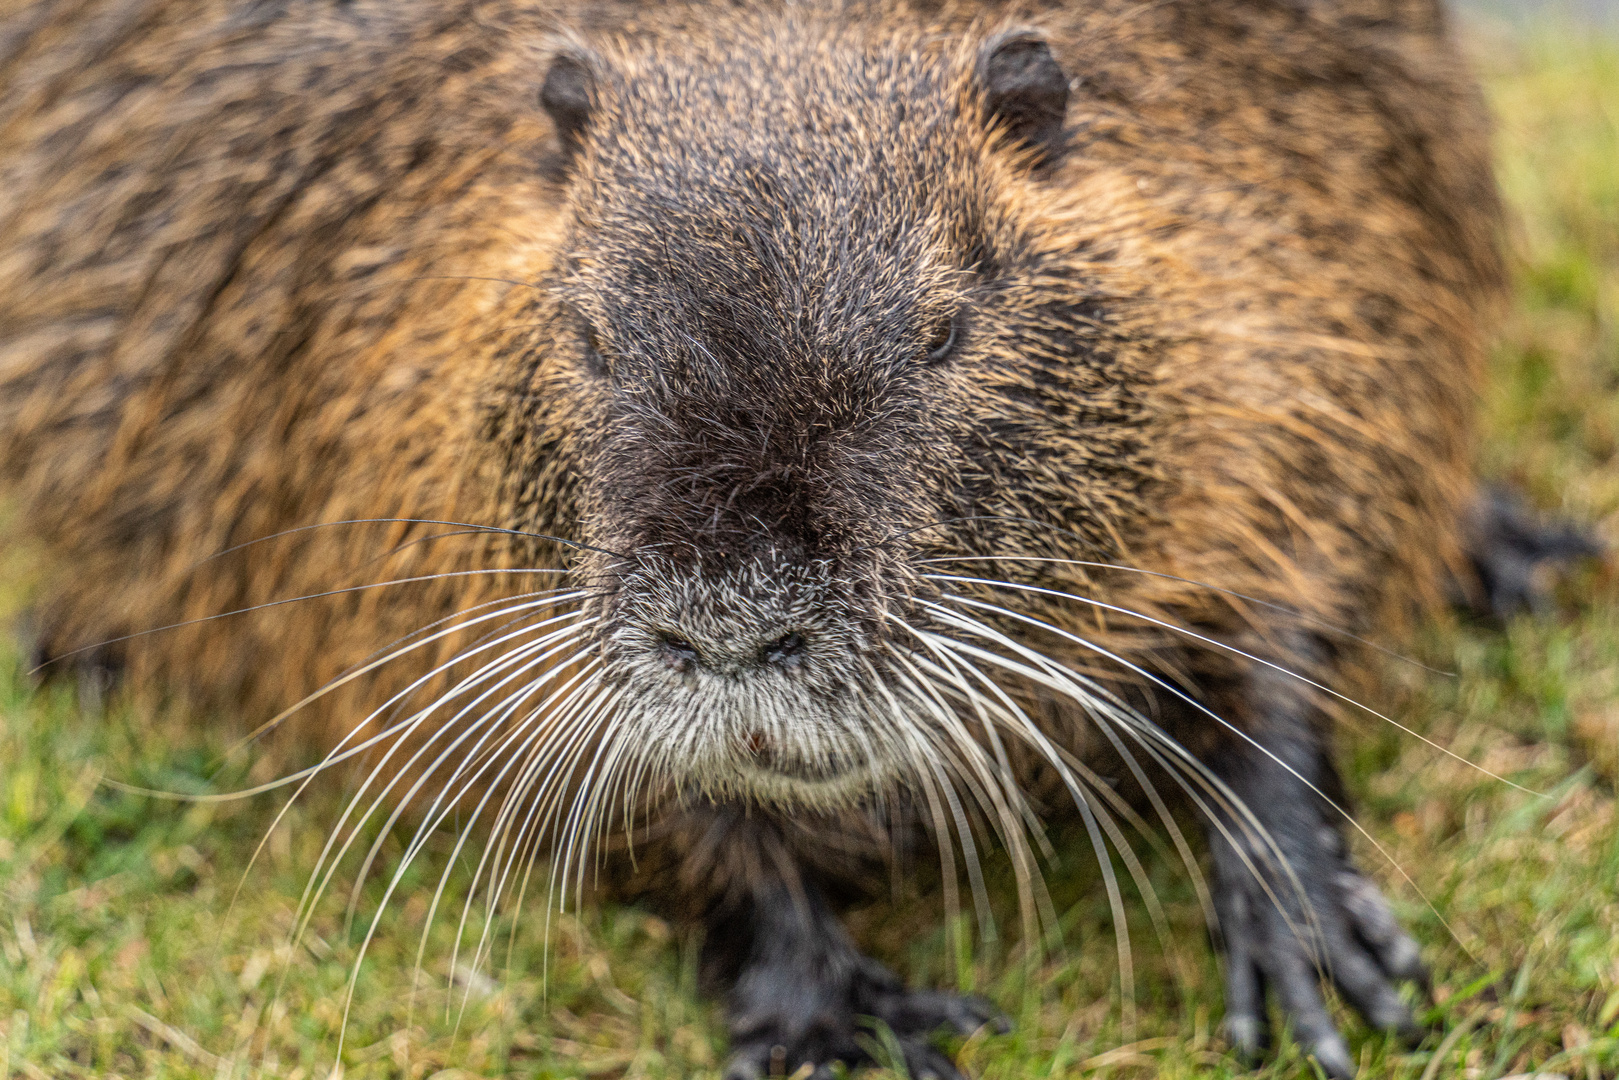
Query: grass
[[125, 948]]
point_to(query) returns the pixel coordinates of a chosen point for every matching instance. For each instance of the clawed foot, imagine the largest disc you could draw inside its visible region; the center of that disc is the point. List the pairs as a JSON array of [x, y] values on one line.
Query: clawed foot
[[95, 672], [1516, 553], [1348, 935], [802, 1023]]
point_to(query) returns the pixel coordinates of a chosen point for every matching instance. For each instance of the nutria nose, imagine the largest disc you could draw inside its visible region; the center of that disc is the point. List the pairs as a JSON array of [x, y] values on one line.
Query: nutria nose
[[684, 654], [785, 651], [679, 654]]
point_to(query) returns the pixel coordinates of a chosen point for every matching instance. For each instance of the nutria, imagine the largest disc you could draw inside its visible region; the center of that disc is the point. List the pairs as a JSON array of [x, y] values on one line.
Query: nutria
[[911, 402]]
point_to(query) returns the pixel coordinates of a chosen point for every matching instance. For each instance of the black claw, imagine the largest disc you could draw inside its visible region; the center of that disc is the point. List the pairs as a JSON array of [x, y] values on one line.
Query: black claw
[[1245, 1024], [1373, 922], [932, 1010], [926, 1062], [1334, 1057], [1248, 1035]]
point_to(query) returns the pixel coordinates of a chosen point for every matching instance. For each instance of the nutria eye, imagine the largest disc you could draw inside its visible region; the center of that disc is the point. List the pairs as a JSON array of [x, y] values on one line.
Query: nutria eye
[[943, 339], [595, 361]]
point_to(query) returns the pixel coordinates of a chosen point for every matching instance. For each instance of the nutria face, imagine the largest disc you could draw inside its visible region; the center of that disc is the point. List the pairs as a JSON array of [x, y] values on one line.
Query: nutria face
[[805, 332]]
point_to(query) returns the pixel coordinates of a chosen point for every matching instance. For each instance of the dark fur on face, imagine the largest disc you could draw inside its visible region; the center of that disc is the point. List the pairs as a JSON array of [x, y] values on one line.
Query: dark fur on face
[[809, 336]]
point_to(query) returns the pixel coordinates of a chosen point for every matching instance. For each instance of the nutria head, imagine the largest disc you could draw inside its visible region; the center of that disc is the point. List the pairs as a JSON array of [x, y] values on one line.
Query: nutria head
[[810, 324]]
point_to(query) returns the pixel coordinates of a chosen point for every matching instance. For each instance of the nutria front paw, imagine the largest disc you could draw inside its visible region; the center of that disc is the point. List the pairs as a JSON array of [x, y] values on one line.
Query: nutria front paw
[[1518, 554], [1348, 935], [785, 1020]]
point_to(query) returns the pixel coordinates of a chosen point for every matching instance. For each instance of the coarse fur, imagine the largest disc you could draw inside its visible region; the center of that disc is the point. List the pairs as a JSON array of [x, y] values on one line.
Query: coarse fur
[[844, 386]]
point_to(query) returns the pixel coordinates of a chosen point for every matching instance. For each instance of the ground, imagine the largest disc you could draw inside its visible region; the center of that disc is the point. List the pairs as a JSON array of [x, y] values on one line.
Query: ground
[[128, 948]]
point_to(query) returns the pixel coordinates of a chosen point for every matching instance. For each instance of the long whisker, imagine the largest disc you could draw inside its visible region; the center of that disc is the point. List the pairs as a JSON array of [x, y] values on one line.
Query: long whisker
[[428, 628], [330, 861], [1244, 736], [1138, 727], [280, 603], [488, 670], [969, 850], [492, 529], [571, 694], [1104, 706], [941, 829], [318, 881], [570, 732], [576, 825], [554, 803], [574, 723], [338, 755], [492, 718], [524, 846], [1109, 877], [1315, 620], [489, 634], [335, 756], [479, 760], [1183, 850], [376, 919], [1236, 652], [1034, 900], [1130, 722], [1182, 772], [956, 682], [995, 790], [616, 769], [954, 677]]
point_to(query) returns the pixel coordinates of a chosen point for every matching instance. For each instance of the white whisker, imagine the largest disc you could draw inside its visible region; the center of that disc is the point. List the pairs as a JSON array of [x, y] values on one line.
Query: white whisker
[[517, 737], [1244, 817], [1295, 613], [474, 766], [337, 755], [1216, 643], [991, 788], [1033, 899], [575, 727], [491, 668], [524, 660], [568, 695]]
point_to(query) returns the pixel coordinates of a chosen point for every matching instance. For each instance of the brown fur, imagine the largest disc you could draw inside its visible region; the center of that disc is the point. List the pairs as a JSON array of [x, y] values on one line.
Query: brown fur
[[222, 219]]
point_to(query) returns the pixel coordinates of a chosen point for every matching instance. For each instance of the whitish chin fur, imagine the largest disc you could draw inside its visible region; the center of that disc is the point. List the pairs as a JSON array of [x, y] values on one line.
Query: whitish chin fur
[[786, 789]]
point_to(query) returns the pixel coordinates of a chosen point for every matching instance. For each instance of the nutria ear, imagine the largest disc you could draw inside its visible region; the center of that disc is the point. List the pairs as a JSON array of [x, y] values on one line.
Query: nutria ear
[[1025, 89], [566, 98]]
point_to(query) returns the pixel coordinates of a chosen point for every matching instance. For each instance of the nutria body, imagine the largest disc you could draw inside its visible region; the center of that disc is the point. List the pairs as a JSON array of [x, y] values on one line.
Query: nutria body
[[852, 364]]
